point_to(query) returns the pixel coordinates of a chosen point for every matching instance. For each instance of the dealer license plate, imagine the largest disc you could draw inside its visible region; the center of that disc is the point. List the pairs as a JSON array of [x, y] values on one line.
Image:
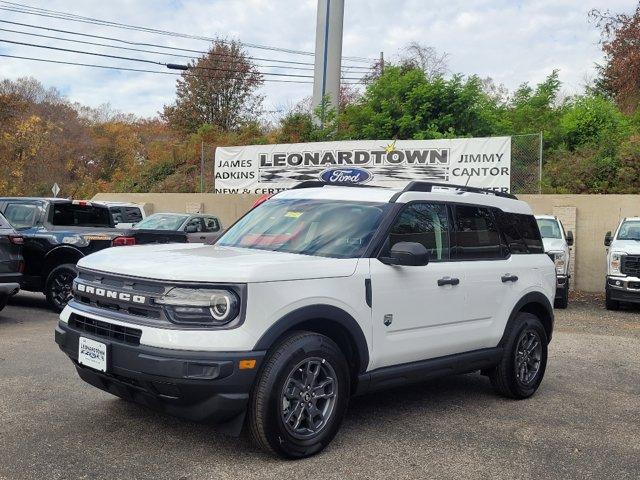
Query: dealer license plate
[[92, 354]]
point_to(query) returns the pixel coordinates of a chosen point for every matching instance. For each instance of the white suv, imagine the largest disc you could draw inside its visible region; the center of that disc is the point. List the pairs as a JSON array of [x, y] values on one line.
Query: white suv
[[557, 244], [623, 264], [317, 294]]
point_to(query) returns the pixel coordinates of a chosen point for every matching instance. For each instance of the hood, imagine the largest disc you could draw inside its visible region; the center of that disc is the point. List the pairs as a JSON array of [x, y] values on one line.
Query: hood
[[627, 246], [554, 244], [212, 263]]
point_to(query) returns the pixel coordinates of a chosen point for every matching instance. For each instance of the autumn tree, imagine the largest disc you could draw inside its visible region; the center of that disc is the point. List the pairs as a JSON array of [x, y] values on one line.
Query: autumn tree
[[219, 89], [620, 74]]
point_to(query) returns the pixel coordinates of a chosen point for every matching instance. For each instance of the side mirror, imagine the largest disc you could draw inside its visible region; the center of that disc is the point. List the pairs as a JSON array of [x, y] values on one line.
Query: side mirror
[[570, 238], [410, 254], [191, 229], [607, 239]]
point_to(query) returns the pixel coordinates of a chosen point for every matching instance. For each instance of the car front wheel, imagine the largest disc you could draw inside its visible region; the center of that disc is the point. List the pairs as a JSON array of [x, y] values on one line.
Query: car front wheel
[[300, 396]]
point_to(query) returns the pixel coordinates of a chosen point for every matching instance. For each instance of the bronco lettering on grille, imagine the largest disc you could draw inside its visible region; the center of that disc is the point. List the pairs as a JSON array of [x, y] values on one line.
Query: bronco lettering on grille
[[103, 292]]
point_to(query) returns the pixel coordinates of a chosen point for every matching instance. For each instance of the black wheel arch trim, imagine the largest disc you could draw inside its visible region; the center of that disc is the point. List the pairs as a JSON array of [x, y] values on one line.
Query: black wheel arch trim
[[536, 298], [318, 312]]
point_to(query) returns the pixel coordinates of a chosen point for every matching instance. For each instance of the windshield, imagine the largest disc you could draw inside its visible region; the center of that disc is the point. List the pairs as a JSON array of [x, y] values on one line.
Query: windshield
[[630, 230], [549, 228], [323, 228], [80, 215], [162, 221]]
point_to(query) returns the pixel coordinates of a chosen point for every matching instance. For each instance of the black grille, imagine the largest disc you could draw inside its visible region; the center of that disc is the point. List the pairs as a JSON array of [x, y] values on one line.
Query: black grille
[[630, 265], [105, 329]]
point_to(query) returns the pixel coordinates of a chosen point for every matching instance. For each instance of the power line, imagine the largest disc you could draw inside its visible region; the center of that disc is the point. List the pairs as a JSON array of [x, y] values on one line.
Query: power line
[[140, 70], [142, 60], [42, 12], [138, 49], [178, 49]]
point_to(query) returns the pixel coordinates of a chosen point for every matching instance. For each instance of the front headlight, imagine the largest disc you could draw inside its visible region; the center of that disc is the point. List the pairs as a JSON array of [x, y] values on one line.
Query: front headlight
[[560, 261], [200, 306], [614, 263]]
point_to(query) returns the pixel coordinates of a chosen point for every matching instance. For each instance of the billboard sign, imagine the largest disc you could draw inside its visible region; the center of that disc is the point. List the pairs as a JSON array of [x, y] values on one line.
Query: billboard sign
[[260, 169]]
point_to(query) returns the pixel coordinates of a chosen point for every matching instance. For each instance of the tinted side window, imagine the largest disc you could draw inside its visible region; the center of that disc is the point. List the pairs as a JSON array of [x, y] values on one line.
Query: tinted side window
[[211, 224], [132, 215], [196, 223], [528, 228], [116, 213], [423, 223], [476, 234], [507, 225]]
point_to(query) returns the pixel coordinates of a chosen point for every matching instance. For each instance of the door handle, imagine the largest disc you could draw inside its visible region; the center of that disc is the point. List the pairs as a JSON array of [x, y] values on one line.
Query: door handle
[[509, 278], [448, 281], [203, 238]]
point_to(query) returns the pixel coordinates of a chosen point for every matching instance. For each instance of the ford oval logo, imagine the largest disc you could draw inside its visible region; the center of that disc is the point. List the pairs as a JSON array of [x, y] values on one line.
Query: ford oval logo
[[346, 175]]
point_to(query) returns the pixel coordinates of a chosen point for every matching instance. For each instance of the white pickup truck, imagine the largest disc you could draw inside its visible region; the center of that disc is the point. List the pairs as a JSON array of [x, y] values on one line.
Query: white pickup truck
[[623, 264], [557, 244]]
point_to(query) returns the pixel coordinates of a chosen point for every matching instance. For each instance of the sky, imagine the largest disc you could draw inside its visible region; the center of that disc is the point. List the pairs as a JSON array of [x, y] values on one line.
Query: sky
[[511, 41]]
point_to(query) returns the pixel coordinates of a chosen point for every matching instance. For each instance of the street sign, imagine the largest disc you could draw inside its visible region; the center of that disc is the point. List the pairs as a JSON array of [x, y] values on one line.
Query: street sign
[[55, 189]]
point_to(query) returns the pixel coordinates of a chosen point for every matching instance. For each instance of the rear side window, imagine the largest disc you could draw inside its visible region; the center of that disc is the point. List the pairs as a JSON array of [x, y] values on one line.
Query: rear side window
[[423, 223], [211, 224], [132, 215], [513, 238], [23, 215], [528, 228], [80, 215], [476, 234]]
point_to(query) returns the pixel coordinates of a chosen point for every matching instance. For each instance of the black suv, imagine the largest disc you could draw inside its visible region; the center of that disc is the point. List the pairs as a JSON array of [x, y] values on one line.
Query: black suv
[[57, 233], [11, 263]]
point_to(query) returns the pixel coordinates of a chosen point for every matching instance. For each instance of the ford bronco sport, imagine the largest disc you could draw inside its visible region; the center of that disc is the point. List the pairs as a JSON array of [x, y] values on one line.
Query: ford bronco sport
[[319, 293], [623, 264]]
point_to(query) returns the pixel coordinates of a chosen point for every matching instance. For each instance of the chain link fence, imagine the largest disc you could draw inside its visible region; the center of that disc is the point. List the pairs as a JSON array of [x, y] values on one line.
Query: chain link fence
[[526, 163]]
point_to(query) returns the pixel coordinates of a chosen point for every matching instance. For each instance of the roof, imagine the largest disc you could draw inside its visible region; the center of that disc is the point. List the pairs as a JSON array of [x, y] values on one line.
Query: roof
[[633, 219], [545, 217], [396, 195], [44, 199]]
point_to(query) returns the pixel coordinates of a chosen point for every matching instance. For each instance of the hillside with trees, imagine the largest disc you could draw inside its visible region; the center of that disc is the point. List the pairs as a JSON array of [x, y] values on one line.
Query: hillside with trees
[[591, 140]]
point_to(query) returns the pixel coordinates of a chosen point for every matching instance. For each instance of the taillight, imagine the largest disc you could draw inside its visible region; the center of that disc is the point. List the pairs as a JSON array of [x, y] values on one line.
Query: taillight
[[123, 241], [16, 239]]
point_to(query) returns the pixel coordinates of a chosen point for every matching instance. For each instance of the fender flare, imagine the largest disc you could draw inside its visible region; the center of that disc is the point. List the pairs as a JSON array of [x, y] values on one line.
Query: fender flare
[[531, 298], [318, 312]]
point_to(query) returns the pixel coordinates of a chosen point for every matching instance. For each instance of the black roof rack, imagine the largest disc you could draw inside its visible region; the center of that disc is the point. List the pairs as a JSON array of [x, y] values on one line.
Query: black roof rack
[[421, 186]]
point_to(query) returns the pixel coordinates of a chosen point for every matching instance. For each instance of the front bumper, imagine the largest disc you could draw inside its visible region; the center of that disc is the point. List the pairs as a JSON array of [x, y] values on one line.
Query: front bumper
[[623, 289], [198, 386]]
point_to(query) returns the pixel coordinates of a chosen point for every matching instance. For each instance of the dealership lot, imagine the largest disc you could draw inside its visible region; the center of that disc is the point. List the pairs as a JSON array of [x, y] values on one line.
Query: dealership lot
[[584, 422]]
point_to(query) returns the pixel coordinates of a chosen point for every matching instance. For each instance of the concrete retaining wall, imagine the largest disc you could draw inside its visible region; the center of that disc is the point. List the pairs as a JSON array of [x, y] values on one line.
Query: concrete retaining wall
[[588, 216]]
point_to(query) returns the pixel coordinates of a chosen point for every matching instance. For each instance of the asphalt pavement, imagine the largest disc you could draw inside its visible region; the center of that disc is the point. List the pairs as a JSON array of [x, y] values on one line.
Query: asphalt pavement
[[584, 422]]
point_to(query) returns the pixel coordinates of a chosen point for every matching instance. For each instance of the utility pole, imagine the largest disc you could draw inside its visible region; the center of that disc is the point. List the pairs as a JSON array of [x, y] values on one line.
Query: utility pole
[[328, 59], [201, 167]]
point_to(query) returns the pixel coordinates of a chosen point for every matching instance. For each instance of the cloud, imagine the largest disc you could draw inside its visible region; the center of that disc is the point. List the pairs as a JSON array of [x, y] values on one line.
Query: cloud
[[508, 40]]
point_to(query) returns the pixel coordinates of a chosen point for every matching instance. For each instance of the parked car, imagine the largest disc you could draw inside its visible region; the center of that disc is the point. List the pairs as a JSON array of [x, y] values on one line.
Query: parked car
[[623, 264], [557, 244], [125, 215], [11, 262], [57, 233], [199, 228], [319, 293]]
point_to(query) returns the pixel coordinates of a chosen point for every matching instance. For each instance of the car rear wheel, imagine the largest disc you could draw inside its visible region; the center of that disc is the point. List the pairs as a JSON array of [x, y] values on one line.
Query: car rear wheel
[[523, 363], [59, 284], [300, 396]]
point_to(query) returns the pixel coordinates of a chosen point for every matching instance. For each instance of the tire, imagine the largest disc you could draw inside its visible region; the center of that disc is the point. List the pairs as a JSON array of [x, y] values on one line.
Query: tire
[[506, 378], [609, 303], [58, 285], [563, 301], [274, 398]]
